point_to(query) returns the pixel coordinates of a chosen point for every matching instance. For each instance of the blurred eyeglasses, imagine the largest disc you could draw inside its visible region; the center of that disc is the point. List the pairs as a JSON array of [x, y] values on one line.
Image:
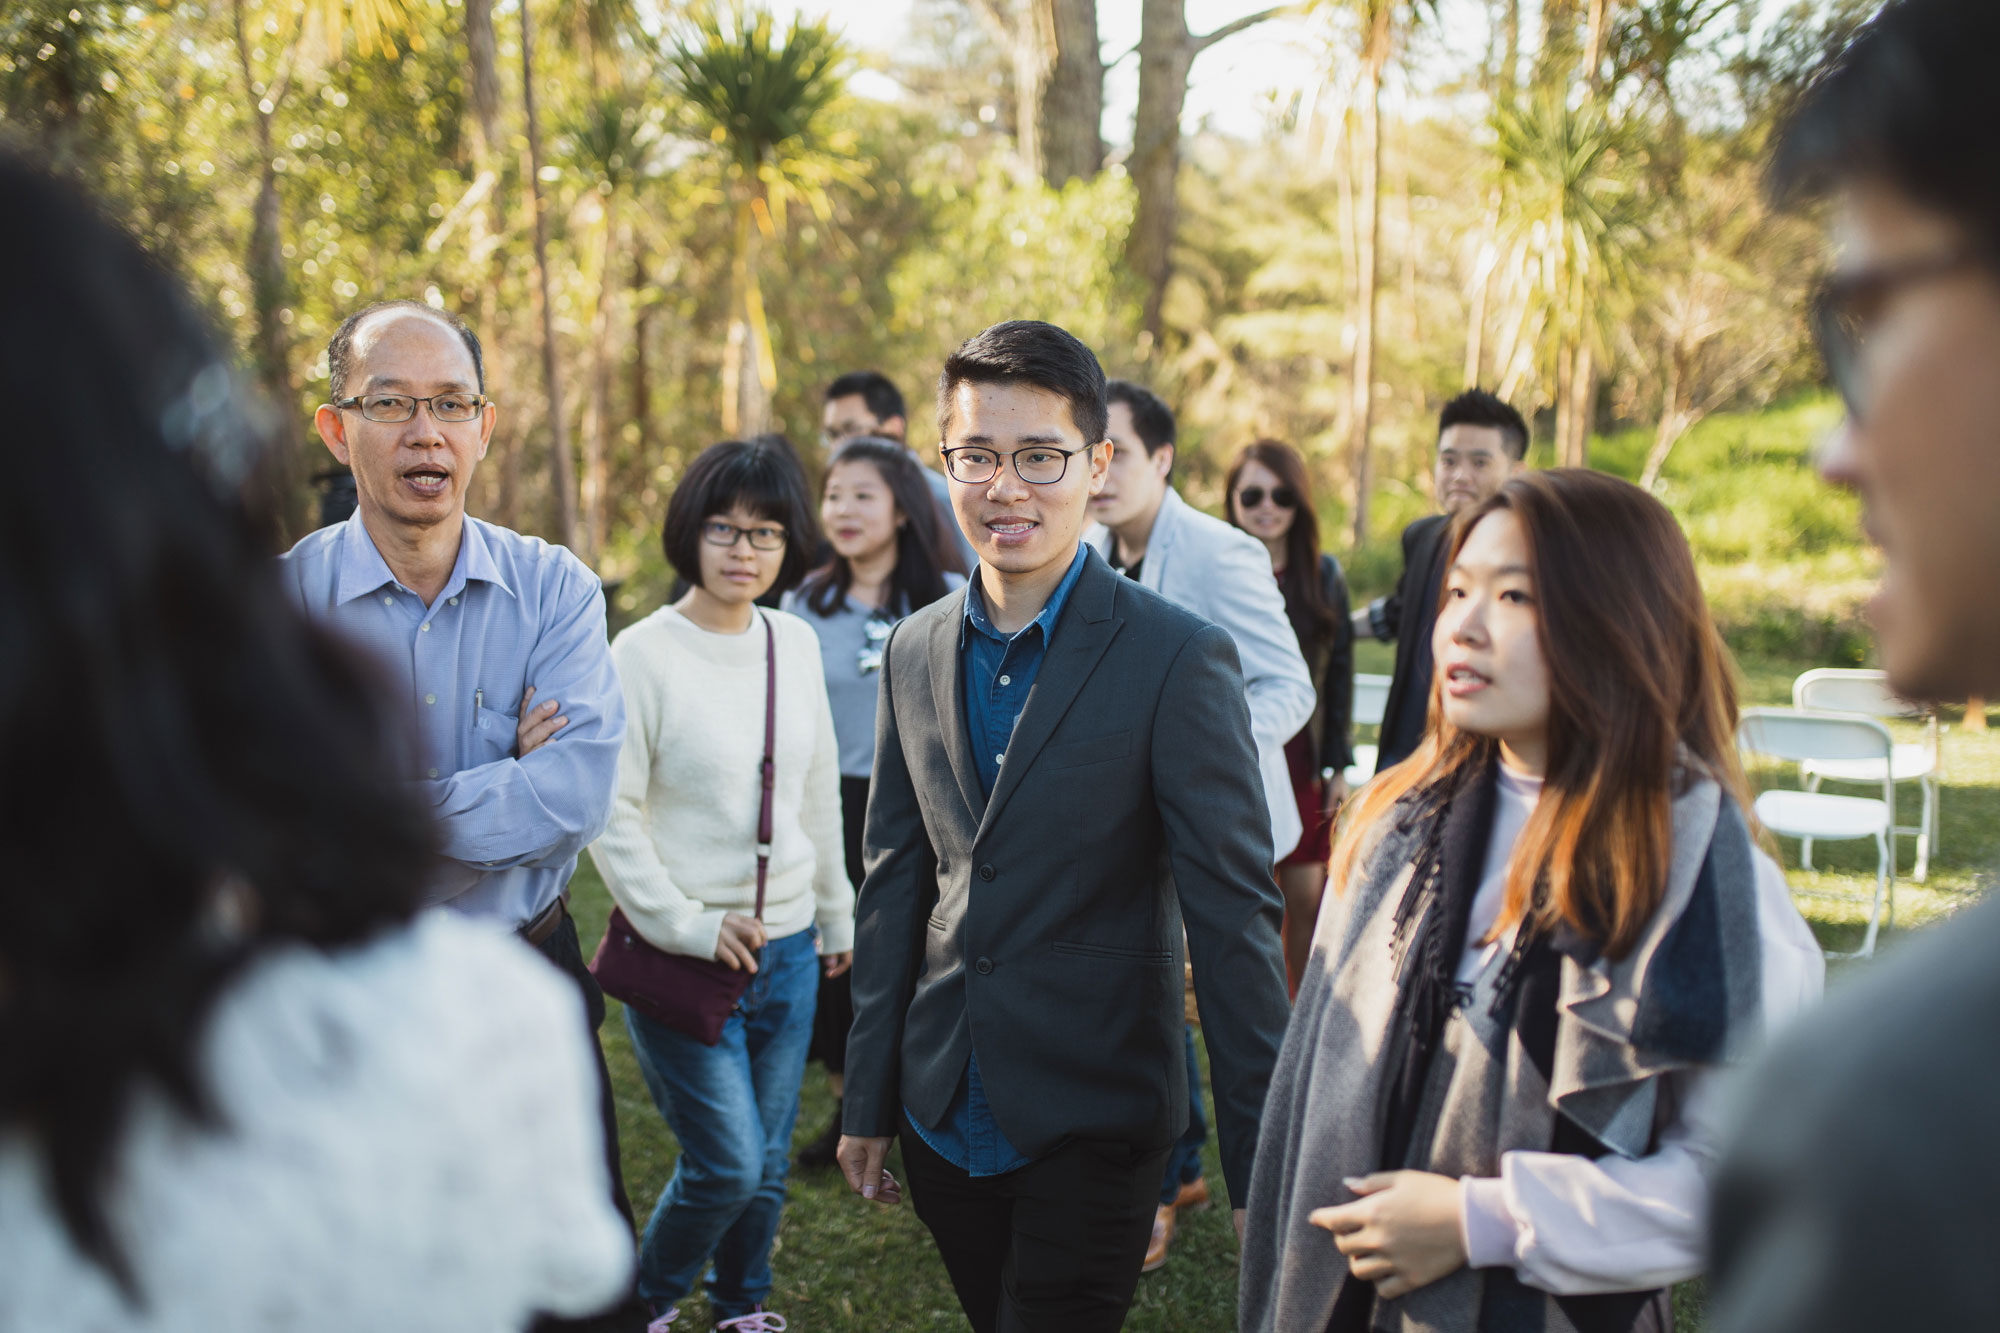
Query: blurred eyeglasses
[[1038, 465], [1847, 304], [391, 408], [874, 640], [717, 533], [1282, 496]]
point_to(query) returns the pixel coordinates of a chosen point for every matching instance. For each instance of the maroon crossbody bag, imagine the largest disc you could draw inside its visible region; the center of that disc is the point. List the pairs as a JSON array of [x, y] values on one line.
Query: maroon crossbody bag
[[691, 995]]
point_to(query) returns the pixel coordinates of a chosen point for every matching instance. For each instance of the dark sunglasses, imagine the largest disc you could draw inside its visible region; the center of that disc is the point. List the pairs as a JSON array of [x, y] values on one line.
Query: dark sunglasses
[[1846, 304], [1282, 496]]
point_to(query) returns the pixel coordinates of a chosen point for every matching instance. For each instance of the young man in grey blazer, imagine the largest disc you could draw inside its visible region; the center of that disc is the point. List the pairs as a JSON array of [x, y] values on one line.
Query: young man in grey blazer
[[1064, 778]]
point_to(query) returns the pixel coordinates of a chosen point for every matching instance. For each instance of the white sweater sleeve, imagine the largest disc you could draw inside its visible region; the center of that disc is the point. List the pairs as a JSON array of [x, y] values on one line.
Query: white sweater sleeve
[[1571, 1225], [625, 853]]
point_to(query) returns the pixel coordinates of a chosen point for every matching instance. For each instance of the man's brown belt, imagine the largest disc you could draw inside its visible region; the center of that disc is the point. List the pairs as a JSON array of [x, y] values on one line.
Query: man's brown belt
[[537, 932]]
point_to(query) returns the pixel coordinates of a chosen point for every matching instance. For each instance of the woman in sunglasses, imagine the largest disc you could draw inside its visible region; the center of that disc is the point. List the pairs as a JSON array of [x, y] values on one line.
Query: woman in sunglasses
[[1551, 929], [1268, 498], [714, 683], [888, 560]]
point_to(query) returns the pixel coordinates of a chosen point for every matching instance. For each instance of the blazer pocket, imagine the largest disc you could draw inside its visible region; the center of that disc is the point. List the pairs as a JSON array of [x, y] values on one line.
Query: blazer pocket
[[1157, 957], [1096, 750]]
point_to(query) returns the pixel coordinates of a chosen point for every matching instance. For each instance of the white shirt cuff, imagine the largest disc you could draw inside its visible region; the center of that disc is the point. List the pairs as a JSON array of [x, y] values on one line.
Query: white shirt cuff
[[1484, 1224]]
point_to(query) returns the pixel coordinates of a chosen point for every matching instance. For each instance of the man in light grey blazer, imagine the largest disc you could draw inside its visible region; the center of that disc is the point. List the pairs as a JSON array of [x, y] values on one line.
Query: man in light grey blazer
[[1065, 790], [1220, 573]]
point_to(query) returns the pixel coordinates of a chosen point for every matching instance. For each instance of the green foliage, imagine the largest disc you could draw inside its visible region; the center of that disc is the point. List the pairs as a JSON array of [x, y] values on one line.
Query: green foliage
[[761, 95]]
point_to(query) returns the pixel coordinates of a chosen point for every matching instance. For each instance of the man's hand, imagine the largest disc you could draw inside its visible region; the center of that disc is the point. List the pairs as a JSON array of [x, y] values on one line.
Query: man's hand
[[861, 1162], [536, 725], [834, 964], [1237, 1215], [1402, 1233], [737, 943]]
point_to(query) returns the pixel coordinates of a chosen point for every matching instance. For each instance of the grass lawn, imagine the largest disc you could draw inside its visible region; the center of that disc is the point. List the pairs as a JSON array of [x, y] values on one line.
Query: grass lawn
[[843, 1265]]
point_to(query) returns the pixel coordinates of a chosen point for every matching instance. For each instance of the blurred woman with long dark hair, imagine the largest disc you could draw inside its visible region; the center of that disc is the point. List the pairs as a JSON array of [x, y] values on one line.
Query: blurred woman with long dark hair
[[1270, 498], [242, 1086], [887, 558], [1550, 929]]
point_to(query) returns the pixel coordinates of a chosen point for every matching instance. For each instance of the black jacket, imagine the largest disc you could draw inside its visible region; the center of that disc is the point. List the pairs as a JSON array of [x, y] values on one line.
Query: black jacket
[[1408, 616]]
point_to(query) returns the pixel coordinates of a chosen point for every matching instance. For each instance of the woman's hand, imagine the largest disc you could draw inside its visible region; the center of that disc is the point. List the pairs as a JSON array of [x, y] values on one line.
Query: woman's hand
[[1402, 1233], [1333, 794], [738, 942], [833, 964]]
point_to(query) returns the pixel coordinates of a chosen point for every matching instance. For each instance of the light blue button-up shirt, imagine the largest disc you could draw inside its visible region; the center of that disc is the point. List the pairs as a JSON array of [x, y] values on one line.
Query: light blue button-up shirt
[[516, 612]]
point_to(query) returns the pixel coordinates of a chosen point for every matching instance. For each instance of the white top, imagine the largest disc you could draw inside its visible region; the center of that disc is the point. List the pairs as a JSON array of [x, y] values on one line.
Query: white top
[[1572, 1225], [1223, 574], [412, 1143], [681, 848]]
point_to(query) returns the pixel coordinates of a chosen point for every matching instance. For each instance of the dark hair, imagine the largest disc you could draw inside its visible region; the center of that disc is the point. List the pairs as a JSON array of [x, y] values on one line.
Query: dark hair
[[1476, 407], [883, 398], [191, 772], [1910, 100], [918, 578], [1152, 419], [1027, 351], [762, 475], [340, 347], [1312, 616], [1636, 672]]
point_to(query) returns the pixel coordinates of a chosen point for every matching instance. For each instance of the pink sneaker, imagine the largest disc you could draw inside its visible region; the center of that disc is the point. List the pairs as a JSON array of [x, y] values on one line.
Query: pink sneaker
[[660, 1325], [758, 1320]]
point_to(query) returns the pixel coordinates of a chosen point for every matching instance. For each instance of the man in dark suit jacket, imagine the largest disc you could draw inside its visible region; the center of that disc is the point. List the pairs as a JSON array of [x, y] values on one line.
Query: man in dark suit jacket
[[1064, 780], [1861, 1193], [1481, 442]]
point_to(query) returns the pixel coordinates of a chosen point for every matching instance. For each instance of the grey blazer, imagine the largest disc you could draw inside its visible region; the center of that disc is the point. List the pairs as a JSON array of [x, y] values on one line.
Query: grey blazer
[[1044, 926]]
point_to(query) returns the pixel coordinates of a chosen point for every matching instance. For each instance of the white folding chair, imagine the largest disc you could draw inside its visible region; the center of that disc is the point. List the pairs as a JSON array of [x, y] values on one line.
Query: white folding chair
[[1802, 737], [1371, 701], [1847, 690]]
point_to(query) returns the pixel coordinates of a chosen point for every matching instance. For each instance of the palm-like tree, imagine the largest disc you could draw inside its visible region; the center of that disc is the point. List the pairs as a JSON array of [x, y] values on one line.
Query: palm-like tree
[[766, 101]]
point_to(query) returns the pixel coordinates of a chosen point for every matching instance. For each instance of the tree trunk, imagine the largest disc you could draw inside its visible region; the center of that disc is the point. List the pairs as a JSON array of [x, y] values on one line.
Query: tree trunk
[[562, 470], [1165, 52], [488, 225], [1671, 427], [265, 261], [1593, 47], [1375, 59], [1583, 406], [640, 383], [1510, 69], [597, 433], [746, 394], [1069, 108]]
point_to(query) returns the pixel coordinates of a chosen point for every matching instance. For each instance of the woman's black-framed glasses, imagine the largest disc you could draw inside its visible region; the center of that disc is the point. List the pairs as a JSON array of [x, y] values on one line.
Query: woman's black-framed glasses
[[1282, 496], [391, 408], [1038, 464], [764, 537], [1846, 304]]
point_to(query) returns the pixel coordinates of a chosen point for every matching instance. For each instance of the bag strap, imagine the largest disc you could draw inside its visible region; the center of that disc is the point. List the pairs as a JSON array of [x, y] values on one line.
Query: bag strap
[[769, 769]]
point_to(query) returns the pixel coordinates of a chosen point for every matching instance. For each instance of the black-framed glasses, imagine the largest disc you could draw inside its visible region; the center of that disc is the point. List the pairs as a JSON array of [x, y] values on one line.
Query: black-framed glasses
[[1038, 464], [764, 537], [1282, 496], [1847, 304], [391, 408]]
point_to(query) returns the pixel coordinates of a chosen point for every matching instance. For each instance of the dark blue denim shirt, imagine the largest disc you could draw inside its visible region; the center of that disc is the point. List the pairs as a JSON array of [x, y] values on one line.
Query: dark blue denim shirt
[[996, 672]]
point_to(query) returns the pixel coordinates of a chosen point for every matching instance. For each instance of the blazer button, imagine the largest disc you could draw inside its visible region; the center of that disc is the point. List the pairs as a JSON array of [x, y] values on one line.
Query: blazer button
[[984, 967], [986, 873]]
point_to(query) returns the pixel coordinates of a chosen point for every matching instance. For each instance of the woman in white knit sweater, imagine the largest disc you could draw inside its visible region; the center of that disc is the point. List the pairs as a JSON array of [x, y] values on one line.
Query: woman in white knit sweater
[[680, 857]]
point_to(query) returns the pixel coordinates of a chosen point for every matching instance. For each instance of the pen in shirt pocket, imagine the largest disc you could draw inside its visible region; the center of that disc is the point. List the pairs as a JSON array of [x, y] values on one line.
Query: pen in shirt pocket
[[478, 698]]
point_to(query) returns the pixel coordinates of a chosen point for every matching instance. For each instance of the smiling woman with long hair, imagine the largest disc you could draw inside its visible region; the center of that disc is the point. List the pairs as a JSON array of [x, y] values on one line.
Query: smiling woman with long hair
[[1549, 929]]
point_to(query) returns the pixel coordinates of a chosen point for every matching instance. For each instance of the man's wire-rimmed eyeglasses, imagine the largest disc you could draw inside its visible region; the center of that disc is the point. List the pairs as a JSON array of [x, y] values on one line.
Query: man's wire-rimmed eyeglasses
[[392, 408], [1846, 304], [1038, 464]]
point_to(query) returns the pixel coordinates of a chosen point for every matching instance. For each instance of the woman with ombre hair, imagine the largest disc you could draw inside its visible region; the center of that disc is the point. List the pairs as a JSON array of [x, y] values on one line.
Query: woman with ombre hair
[[1548, 932]]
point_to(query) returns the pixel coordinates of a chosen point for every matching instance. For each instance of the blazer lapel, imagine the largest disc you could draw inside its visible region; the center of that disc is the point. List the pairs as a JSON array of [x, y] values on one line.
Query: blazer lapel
[[1160, 541], [948, 692], [1084, 631]]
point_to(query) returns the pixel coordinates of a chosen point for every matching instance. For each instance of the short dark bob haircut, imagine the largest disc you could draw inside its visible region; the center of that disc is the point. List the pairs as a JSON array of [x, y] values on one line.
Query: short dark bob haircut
[[1911, 101], [1027, 351], [1477, 407], [763, 476]]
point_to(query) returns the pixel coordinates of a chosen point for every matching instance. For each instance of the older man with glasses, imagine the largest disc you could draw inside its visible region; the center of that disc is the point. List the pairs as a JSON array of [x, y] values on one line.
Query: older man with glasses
[[492, 642]]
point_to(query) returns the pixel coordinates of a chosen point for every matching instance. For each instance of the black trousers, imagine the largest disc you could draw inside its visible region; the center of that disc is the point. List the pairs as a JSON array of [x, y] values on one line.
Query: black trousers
[[565, 951], [834, 1014], [1054, 1247]]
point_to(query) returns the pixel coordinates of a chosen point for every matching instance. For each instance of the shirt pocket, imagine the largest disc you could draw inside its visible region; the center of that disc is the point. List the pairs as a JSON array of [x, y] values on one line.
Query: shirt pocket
[[494, 735], [1096, 750]]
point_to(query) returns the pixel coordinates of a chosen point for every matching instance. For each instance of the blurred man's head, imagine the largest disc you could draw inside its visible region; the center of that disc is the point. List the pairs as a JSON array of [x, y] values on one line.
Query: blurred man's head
[[1141, 429], [1481, 442], [407, 412], [863, 402], [1897, 130]]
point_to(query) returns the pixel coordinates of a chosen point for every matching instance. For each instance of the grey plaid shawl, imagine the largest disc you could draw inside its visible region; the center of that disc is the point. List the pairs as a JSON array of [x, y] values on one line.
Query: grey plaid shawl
[[1688, 994]]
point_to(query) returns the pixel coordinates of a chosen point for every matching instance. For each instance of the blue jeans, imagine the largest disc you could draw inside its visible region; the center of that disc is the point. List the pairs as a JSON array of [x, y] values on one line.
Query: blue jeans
[[1184, 1159], [732, 1106]]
